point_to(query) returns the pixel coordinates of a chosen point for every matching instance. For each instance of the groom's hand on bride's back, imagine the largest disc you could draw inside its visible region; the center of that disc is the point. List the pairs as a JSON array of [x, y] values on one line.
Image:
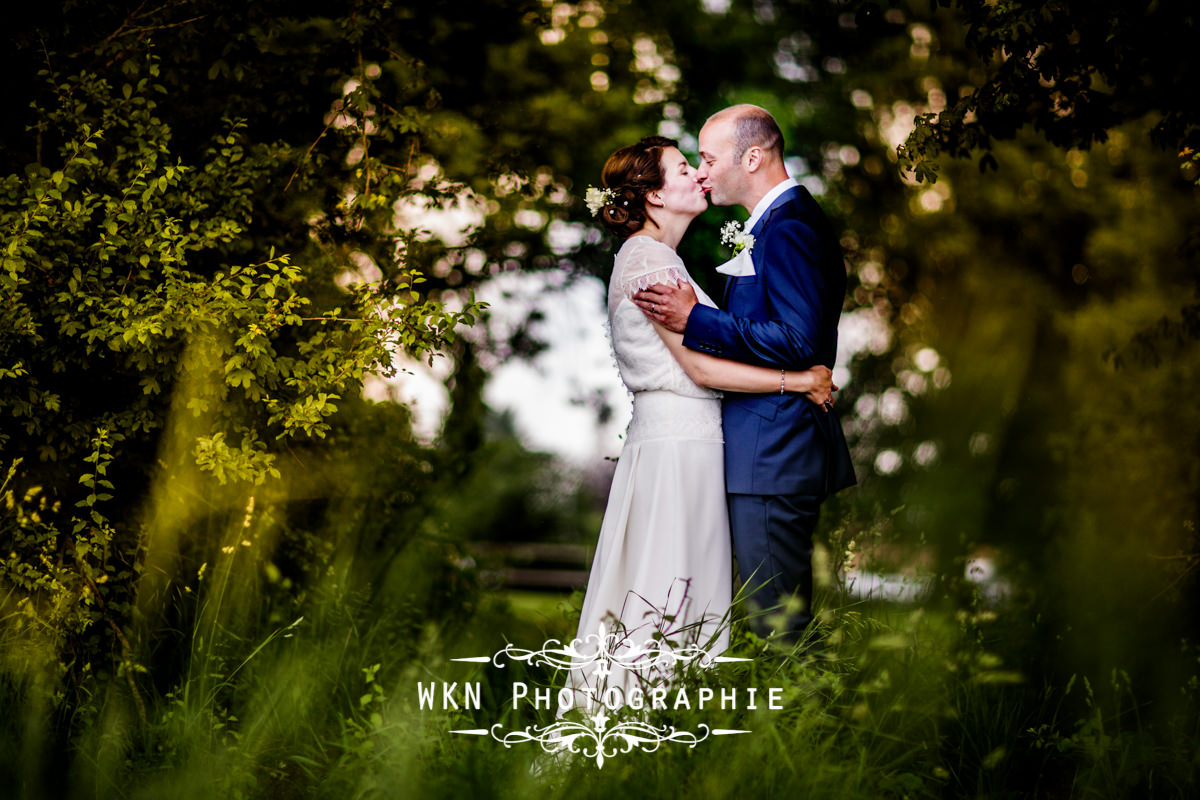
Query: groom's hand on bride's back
[[667, 305]]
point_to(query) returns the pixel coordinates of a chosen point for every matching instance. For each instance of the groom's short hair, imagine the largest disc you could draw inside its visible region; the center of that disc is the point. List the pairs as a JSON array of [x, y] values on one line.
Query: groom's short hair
[[752, 126]]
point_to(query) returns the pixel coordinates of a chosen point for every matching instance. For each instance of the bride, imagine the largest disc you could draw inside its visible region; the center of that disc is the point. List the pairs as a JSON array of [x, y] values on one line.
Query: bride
[[660, 581]]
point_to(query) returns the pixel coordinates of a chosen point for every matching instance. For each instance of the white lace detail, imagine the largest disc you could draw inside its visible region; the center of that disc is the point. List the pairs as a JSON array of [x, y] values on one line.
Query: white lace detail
[[644, 280]]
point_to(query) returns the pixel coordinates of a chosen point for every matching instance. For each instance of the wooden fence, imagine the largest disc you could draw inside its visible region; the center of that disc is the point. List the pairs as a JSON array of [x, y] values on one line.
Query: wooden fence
[[532, 565]]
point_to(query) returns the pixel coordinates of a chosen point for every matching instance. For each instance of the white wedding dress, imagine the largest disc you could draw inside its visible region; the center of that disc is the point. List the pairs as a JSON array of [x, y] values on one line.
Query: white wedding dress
[[663, 563]]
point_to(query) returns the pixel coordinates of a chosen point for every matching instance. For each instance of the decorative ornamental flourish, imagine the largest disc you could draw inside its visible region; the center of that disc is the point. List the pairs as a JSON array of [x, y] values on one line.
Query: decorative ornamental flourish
[[593, 737], [611, 648], [598, 740]]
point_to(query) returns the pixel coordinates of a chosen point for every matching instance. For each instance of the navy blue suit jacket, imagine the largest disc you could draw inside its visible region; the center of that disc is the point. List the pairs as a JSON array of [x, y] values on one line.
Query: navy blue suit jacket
[[784, 316]]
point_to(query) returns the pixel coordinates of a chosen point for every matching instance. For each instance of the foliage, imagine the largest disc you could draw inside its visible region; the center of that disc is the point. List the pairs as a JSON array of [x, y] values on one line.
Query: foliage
[[1077, 72], [906, 702], [209, 244], [147, 317], [1073, 70], [225, 570]]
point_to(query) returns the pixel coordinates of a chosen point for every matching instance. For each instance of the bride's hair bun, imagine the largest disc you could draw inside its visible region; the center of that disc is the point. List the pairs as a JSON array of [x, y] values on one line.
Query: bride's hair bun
[[632, 172], [623, 207]]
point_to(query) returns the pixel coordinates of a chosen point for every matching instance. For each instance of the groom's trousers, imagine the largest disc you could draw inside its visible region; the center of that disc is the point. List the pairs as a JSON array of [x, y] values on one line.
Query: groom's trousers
[[773, 544]]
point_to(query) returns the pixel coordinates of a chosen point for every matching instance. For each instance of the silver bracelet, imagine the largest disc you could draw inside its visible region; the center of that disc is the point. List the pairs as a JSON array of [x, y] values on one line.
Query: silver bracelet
[[782, 377]]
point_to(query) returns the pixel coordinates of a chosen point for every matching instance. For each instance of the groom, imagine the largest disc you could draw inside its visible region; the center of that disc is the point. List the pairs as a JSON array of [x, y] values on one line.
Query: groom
[[783, 455]]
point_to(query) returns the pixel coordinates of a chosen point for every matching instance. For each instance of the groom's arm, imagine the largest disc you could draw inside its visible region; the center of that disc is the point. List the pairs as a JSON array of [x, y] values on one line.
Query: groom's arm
[[794, 284]]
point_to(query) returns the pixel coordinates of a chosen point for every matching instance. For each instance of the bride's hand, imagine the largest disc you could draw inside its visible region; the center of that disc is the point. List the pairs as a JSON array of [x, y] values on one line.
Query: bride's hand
[[821, 385]]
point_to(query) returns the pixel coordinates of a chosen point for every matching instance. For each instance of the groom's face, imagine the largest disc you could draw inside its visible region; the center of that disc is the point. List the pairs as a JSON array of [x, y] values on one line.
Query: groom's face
[[719, 174]]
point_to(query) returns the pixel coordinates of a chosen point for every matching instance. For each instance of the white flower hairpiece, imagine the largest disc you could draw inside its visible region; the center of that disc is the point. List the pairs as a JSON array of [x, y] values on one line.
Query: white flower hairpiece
[[597, 199], [736, 237]]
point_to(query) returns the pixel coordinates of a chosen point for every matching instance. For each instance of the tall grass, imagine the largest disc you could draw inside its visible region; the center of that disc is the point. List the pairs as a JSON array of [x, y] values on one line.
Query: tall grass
[[254, 690]]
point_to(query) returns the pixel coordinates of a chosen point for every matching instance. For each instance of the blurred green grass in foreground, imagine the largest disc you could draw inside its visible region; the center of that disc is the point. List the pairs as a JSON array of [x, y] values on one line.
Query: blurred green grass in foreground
[[905, 701]]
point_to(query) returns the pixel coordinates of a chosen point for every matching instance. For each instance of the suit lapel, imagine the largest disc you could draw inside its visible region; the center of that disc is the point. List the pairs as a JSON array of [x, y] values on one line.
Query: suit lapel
[[756, 231], [761, 226], [725, 294]]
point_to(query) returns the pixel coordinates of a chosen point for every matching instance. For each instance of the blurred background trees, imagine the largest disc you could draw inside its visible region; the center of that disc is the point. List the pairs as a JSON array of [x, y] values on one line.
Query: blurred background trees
[[222, 222]]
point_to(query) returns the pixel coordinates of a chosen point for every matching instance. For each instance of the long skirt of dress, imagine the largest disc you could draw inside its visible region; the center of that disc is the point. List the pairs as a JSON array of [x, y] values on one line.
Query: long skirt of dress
[[658, 593]]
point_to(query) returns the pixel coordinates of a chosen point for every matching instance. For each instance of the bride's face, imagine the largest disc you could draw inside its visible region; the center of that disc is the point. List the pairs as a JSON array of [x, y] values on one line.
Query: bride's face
[[680, 193]]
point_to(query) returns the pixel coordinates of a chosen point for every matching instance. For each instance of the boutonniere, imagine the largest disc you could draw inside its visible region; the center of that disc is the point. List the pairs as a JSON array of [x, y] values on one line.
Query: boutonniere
[[733, 235]]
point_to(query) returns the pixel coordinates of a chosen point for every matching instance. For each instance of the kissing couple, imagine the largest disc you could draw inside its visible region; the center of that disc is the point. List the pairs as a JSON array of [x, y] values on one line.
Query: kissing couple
[[734, 443]]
